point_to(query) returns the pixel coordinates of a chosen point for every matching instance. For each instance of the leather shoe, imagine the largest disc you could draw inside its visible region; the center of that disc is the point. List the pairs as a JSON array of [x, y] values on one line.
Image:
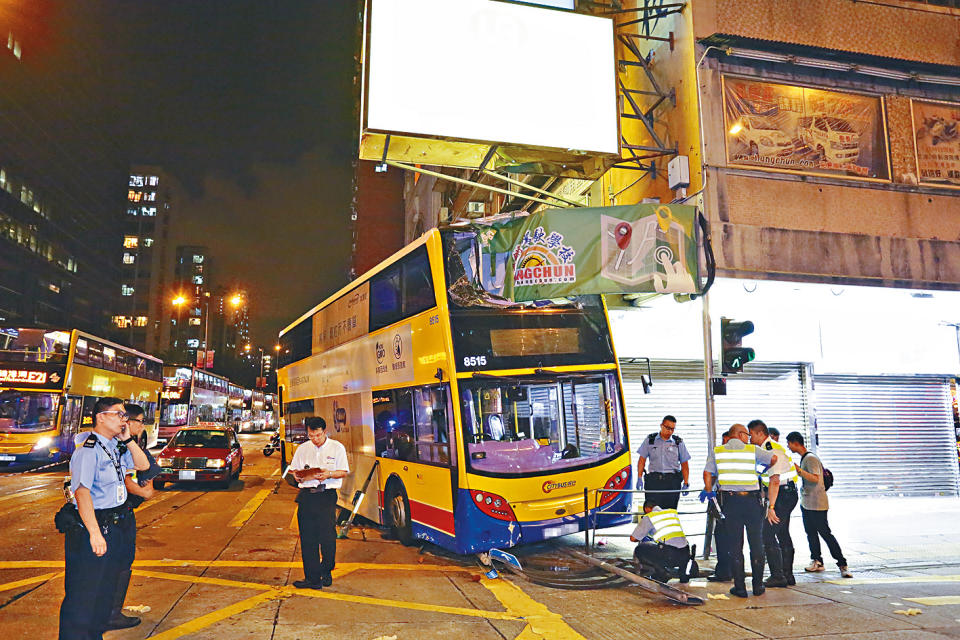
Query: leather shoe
[[326, 580], [306, 584], [121, 621], [775, 581], [716, 578], [791, 580], [759, 589], [739, 592]]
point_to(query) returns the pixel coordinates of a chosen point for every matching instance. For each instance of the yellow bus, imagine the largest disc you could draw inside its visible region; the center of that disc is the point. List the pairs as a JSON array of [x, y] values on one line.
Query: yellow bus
[[49, 382], [486, 420]]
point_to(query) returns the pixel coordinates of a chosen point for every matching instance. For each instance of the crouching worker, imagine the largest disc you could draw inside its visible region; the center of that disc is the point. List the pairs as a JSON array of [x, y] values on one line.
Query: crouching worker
[[663, 549]]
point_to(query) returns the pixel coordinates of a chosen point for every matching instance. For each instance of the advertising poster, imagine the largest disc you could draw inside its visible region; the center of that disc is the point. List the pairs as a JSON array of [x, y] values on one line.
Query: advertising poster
[[936, 132], [789, 128], [641, 248]]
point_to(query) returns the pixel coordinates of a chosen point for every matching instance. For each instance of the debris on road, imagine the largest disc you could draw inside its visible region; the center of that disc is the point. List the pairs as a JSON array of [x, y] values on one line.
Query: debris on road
[[909, 612], [138, 608], [717, 596]]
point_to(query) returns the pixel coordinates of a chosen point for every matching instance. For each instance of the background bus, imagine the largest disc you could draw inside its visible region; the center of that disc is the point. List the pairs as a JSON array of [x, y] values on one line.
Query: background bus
[[192, 397], [49, 382], [488, 419], [237, 406]]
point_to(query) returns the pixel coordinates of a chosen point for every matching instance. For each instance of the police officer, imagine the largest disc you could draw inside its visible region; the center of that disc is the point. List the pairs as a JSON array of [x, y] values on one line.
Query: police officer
[[669, 465], [668, 547], [319, 468], [98, 551], [777, 543], [734, 465], [138, 490], [723, 572]]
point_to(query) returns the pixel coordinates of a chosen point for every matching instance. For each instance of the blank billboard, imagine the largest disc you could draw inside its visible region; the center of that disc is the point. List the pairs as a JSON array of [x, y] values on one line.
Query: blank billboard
[[491, 71]]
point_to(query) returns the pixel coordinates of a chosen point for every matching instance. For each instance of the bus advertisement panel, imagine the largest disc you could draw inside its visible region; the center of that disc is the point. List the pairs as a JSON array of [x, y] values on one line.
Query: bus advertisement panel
[[487, 419], [49, 382]]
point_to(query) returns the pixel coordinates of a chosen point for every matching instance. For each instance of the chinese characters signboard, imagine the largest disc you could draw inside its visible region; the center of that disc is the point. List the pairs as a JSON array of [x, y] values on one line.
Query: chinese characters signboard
[[342, 320], [789, 128], [33, 376], [936, 131]]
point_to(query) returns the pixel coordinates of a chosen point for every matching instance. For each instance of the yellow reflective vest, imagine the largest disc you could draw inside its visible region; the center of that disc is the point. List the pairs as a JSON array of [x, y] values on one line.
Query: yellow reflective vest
[[666, 525], [782, 454], [736, 467]]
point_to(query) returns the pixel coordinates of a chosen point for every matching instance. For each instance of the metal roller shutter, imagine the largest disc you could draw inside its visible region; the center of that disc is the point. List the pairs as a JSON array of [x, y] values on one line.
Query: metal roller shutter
[[888, 436], [773, 392]]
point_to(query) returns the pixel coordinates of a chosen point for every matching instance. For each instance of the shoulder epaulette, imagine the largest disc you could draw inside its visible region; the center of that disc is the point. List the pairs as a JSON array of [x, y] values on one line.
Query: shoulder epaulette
[[769, 446], [677, 439], [651, 438], [90, 442]]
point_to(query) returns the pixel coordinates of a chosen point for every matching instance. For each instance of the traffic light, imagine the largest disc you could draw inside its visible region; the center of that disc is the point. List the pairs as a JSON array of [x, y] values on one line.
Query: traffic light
[[733, 355]]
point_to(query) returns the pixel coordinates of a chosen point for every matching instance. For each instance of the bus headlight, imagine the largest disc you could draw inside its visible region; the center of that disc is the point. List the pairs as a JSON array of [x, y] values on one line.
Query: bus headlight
[[216, 463], [43, 443]]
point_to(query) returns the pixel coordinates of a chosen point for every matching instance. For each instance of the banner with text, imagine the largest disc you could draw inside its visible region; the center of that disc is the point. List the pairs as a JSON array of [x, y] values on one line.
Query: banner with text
[[936, 128], [641, 248], [789, 128]]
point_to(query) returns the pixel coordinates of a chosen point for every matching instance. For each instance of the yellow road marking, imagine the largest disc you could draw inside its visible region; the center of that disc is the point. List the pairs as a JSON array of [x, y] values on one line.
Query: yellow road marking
[[261, 564], [541, 622], [157, 500], [22, 494], [220, 614], [294, 525], [250, 508], [275, 472], [899, 580], [22, 583], [935, 601], [203, 580]]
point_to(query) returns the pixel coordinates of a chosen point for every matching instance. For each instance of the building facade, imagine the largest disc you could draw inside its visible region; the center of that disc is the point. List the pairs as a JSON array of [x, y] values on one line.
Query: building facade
[[191, 304]]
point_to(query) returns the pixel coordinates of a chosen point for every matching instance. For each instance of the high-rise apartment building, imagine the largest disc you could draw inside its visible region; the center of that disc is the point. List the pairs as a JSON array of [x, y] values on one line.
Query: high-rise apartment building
[[191, 303]]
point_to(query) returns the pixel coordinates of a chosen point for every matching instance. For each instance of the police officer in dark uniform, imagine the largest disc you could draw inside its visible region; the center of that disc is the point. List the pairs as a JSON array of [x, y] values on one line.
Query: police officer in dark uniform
[[723, 572], [96, 552], [668, 469], [139, 489]]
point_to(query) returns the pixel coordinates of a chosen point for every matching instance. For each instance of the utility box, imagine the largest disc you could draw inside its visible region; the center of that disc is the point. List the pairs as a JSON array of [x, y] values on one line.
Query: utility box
[[678, 173]]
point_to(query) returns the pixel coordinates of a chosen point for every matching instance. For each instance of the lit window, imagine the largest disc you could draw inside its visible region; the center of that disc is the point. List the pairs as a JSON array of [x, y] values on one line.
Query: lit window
[[130, 242], [14, 45], [197, 279], [126, 290], [53, 288], [197, 259], [150, 196], [121, 321], [195, 322], [134, 196], [129, 258], [141, 321], [149, 211], [3, 179], [148, 242], [26, 196], [152, 181], [193, 343], [131, 211], [136, 181]]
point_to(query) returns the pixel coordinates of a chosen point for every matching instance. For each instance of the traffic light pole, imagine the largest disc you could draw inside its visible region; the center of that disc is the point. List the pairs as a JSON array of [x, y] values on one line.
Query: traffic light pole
[[708, 374]]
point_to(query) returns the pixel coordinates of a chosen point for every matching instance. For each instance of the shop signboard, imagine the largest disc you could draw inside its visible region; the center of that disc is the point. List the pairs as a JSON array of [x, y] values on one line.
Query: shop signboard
[[936, 135], [642, 248], [790, 128]]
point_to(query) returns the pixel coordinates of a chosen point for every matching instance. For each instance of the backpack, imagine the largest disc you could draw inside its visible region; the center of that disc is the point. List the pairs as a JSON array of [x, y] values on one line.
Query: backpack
[[827, 474], [653, 437]]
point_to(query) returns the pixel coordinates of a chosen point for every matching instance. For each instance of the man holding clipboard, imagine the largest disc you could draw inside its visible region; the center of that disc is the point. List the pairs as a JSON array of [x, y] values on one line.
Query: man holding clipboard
[[319, 466]]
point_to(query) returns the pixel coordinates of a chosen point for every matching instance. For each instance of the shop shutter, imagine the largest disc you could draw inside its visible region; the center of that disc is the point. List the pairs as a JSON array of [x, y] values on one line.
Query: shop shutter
[[772, 392], [886, 436]]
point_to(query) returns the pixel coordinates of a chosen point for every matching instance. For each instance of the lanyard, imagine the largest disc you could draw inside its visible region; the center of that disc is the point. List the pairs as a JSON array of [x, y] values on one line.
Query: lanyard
[[115, 461]]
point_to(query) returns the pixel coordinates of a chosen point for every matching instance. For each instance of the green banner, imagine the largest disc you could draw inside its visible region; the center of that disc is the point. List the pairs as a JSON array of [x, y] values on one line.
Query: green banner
[[642, 248]]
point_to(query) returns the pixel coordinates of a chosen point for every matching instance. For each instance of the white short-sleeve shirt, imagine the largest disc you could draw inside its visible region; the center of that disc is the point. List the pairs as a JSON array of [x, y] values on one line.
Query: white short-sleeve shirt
[[332, 456]]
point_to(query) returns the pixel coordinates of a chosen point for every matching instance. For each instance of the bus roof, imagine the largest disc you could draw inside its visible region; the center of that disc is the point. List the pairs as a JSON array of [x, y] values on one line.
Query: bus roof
[[385, 263], [119, 346]]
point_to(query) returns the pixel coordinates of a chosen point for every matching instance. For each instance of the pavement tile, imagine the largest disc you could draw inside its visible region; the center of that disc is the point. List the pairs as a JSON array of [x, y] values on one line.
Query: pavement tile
[[916, 634], [808, 620]]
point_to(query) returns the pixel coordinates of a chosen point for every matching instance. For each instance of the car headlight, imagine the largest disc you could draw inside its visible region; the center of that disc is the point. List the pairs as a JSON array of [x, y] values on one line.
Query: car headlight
[[165, 462], [43, 443], [216, 463]]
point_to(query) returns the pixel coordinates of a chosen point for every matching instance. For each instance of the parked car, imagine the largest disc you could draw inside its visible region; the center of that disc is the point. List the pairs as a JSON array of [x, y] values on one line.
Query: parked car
[[831, 137], [200, 454], [763, 136]]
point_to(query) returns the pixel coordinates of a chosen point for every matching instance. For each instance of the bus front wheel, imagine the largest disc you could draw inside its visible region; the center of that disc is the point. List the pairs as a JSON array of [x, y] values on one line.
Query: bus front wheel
[[399, 509]]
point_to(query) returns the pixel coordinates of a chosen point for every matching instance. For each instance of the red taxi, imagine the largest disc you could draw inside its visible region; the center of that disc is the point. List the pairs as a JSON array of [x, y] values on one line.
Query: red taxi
[[200, 454]]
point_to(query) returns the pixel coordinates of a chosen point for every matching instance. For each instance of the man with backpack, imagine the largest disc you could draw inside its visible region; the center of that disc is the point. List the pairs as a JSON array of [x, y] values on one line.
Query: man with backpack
[[814, 505]]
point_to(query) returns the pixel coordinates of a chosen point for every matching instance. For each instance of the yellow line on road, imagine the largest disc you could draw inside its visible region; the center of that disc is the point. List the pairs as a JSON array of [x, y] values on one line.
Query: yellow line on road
[[541, 622], [22, 583], [935, 601], [22, 494], [294, 524], [276, 472], [898, 580], [156, 500], [250, 508], [261, 564], [220, 614], [202, 580]]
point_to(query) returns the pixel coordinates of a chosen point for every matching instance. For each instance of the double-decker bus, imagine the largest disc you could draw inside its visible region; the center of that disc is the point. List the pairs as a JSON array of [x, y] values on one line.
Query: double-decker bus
[[237, 406], [49, 382], [487, 419], [192, 397], [270, 406]]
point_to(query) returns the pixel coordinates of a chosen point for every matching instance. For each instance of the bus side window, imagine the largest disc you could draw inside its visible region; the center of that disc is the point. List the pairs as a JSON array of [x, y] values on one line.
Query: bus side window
[[70, 419], [430, 404], [393, 424], [87, 419]]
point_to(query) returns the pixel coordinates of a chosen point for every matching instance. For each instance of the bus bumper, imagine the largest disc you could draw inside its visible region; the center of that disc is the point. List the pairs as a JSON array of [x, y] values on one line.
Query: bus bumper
[[478, 532]]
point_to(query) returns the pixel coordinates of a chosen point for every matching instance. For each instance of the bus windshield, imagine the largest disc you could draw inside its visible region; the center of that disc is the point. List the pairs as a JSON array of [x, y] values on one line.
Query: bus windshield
[[27, 412], [523, 426], [34, 345]]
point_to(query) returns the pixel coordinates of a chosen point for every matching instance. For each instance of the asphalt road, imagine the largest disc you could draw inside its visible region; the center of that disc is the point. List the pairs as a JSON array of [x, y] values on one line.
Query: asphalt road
[[218, 563]]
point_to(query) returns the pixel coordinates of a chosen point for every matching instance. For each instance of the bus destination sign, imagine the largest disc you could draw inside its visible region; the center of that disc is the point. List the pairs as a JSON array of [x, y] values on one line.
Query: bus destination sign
[[34, 377]]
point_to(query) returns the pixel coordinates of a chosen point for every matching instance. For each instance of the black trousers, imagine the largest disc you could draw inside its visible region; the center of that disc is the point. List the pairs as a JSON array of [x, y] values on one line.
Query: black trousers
[[723, 568], [816, 525], [123, 577], [317, 519], [660, 557], [744, 512], [90, 580], [660, 481], [777, 543]]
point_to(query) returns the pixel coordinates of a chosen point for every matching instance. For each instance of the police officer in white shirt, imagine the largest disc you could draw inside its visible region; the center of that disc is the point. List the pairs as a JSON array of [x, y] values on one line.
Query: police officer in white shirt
[[319, 466]]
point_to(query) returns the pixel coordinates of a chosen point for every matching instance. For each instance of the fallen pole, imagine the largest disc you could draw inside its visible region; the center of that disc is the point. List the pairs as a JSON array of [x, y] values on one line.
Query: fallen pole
[[647, 584]]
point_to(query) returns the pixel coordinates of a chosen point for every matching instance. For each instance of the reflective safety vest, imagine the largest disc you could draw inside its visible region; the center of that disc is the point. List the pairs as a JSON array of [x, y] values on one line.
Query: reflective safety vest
[[666, 525], [737, 467], [781, 453]]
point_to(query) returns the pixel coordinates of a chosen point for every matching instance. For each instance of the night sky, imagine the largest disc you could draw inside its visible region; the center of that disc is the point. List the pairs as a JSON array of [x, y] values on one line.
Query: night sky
[[250, 104]]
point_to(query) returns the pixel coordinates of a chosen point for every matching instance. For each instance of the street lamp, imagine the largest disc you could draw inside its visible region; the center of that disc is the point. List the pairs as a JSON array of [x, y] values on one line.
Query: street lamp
[[178, 302]]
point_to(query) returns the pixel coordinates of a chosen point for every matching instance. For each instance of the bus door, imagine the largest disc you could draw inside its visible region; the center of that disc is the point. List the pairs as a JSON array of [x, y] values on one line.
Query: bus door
[[70, 422]]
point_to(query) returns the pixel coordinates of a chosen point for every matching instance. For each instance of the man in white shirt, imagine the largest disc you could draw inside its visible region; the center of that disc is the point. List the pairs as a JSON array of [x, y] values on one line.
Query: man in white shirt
[[319, 467]]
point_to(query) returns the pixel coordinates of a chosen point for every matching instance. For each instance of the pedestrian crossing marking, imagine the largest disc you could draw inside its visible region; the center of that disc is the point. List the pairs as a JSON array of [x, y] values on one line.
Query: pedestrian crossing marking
[[250, 508], [898, 580], [28, 581], [935, 601]]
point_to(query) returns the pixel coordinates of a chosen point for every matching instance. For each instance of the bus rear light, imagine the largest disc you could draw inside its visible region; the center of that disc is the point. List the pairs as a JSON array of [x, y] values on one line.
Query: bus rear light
[[618, 481], [493, 505]]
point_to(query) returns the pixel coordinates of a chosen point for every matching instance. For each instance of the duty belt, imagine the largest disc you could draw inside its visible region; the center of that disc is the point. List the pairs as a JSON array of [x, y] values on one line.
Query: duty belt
[[752, 492], [111, 516], [663, 473], [319, 489]]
